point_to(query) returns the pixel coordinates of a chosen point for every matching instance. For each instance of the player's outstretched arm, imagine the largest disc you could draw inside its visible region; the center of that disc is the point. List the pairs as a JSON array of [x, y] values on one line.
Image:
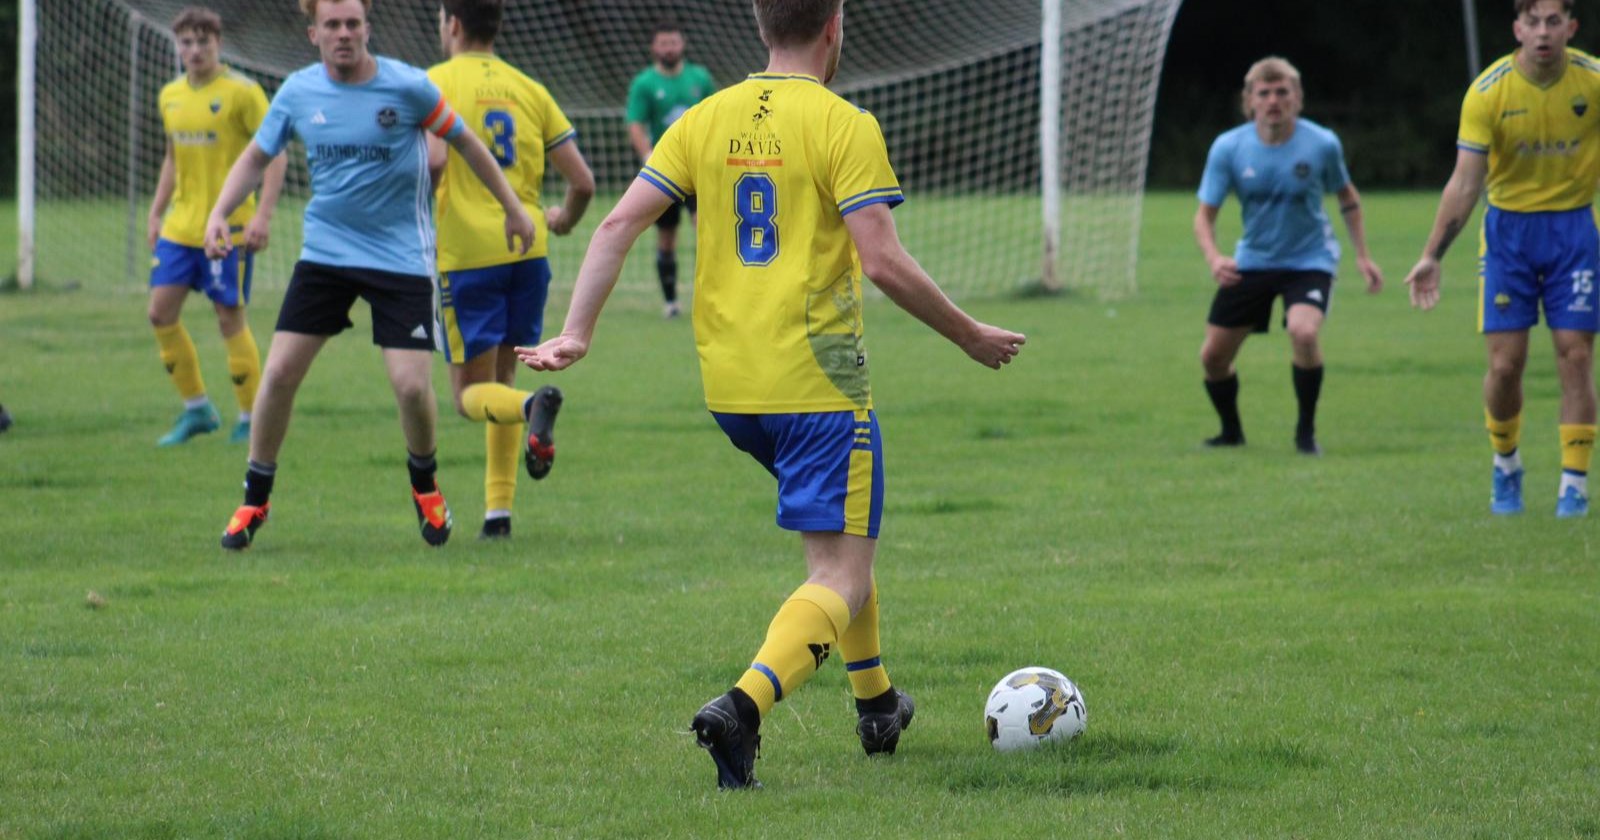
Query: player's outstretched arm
[[885, 261], [640, 206], [241, 181], [166, 184], [1455, 210], [258, 232], [1223, 268], [1350, 209], [519, 225], [580, 188]]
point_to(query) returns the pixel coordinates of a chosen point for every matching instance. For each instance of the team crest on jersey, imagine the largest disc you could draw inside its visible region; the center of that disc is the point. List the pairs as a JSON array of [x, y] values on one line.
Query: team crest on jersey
[[1580, 106], [388, 118], [1302, 170], [216, 105]]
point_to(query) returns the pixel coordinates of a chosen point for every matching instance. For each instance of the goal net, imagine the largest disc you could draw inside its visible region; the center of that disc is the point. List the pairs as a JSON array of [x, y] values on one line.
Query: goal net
[[992, 171]]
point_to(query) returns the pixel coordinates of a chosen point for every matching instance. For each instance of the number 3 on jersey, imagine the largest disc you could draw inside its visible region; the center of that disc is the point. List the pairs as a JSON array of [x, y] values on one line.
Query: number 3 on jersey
[[755, 200], [502, 137]]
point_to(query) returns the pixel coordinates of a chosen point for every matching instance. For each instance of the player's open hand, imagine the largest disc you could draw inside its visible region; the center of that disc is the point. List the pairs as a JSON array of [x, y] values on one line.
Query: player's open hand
[[256, 234], [993, 347], [555, 218], [1225, 271], [519, 229], [1424, 283], [558, 353], [1369, 270], [219, 240]]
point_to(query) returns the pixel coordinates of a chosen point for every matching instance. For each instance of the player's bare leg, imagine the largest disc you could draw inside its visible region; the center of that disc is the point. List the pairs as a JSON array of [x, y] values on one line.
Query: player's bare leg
[[411, 377], [1305, 327], [1217, 352], [1575, 365], [1502, 400], [288, 361]]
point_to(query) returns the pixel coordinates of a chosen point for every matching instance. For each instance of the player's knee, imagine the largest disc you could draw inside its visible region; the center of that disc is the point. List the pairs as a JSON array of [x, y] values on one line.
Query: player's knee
[[1304, 336], [1576, 356], [1506, 366], [158, 318], [1216, 360]]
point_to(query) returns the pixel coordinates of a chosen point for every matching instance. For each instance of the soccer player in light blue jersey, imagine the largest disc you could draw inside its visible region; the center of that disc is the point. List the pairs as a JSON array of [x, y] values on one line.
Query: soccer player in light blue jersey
[[368, 234], [1280, 166]]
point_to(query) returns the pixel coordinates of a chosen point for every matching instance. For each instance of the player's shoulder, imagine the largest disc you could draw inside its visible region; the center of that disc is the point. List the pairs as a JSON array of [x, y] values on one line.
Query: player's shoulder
[[1317, 132], [1229, 140], [399, 71], [311, 75], [1494, 76], [1586, 64], [646, 77], [239, 82]]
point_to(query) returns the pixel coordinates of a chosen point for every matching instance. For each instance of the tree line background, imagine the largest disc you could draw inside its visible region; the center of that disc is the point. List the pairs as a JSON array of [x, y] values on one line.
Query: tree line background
[[1387, 76]]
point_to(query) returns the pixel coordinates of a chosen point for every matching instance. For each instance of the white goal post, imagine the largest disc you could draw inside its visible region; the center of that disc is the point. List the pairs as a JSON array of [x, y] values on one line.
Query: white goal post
[[1020, 129]]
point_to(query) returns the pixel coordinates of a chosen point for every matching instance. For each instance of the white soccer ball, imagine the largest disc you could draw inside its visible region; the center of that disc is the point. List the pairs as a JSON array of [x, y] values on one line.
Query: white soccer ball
[[1032, 706]]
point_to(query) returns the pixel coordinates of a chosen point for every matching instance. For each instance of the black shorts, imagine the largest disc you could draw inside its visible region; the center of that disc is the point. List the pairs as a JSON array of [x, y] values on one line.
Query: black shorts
[[320, 296], [674, 214], [1248, 303]]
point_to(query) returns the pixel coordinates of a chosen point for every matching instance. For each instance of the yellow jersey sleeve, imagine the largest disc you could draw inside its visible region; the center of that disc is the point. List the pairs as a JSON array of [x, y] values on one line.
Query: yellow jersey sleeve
[[1476, 133], [251, 109], [859, 165], [670, 166], [557, 128]]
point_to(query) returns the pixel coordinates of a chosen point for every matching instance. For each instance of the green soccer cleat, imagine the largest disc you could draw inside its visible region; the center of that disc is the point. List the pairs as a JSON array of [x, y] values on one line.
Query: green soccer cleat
[[193, 421]]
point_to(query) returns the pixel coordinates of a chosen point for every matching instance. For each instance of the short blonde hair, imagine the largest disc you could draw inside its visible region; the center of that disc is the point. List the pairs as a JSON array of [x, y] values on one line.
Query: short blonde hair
[[310, 7], [1270, 69]]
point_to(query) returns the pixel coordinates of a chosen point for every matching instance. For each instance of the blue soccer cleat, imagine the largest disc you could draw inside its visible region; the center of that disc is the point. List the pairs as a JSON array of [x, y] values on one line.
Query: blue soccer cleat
[[1507, 498], [1572, 504], [193, 421], [240, 433]]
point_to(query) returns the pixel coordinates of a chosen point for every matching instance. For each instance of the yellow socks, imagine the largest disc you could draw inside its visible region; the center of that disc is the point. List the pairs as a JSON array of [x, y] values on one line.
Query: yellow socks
[[859, 647], [181, 360], [495, 403], [800, 637], [1504, 435], [1577, 446], [503, 448], [244, 367]]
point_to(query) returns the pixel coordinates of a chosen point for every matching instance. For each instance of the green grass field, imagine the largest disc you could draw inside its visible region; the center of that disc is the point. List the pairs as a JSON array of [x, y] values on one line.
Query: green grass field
[[1270, 646]]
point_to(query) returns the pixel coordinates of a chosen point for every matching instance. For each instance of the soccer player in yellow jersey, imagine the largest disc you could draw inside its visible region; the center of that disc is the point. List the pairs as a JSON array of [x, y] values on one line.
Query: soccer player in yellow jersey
[[1530, 127], [209, 116], [491, 300], [794, 188]]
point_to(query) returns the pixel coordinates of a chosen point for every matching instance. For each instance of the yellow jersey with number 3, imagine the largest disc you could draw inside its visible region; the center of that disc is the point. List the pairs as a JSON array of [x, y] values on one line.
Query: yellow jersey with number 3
[[207, 127], [1543, 143], [520, 122], [776, 162]]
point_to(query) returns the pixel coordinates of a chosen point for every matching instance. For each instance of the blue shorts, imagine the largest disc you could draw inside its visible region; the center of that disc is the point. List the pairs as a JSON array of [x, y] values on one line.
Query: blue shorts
[[483, 308], [226, 281], [1529, 258], [829, 466]]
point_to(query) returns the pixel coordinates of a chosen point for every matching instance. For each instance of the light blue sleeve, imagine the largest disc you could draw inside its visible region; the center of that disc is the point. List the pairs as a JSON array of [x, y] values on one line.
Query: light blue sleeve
[[278, 125], [1218, 178], [1334, 174]]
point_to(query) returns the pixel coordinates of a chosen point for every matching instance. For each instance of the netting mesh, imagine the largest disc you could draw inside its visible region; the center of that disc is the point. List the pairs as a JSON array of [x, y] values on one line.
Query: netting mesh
[[955, 85]]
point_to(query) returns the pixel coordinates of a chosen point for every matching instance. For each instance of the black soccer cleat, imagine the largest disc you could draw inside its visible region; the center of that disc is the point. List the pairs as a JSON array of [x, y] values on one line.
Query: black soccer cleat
[[732, 736], [242, 526], [1224, 440], [880, 720], [1307, 445], [498, 528], [540, 453]]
